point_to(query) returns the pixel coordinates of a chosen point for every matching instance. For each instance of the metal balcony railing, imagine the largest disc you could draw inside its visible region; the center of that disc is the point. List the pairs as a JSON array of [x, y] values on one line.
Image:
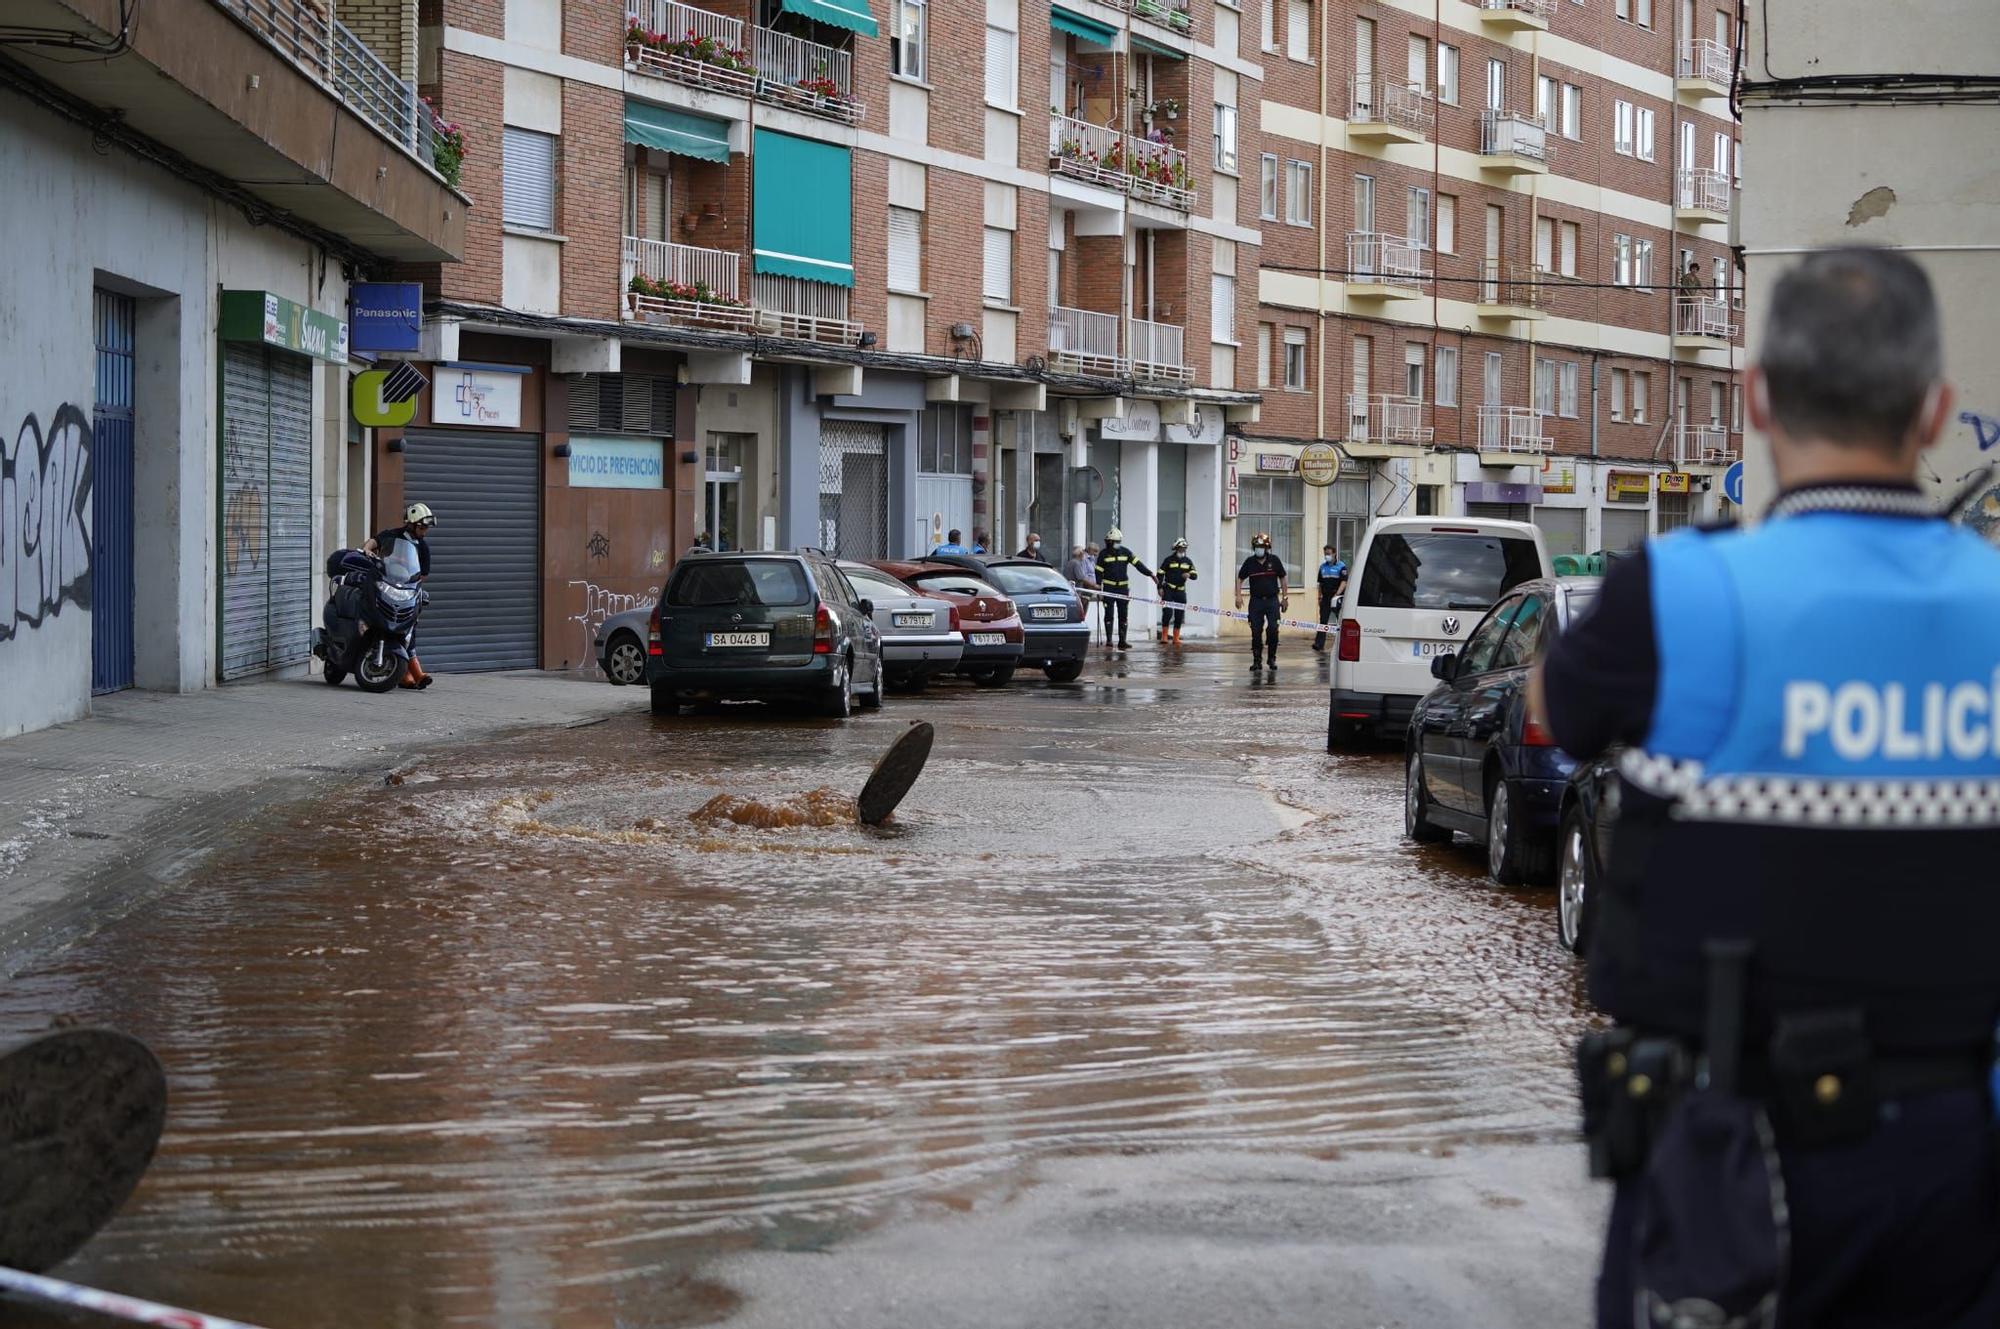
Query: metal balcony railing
[[804, 76], [1706, 59], [1511, 134], [800, 309], [1704, 445], [1544, 10], [1384, 418], [1171, 14], [1705, 188], [1701, 316], [1386, 101], [372, 88], [1085, 341], [663, 263], [1095, 153], [1514, 429], [1373, 257], [1157, 351], [1511, 285], [1159, 172], [690, 45]]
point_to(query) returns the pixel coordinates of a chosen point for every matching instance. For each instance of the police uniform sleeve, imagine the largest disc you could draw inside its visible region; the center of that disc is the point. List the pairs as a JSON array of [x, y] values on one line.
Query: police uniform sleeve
[[1601, 675]]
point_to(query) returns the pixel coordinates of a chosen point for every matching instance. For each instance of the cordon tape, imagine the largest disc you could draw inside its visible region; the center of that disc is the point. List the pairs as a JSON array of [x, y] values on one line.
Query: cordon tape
[[130, 1309], [1240, 615]]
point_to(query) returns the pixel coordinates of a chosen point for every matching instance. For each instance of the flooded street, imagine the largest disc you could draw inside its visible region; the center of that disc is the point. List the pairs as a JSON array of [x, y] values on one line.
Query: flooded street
[[631, 1024]]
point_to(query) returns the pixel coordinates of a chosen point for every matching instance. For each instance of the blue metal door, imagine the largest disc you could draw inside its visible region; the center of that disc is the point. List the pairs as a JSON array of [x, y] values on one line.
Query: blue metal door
[[112, 498]]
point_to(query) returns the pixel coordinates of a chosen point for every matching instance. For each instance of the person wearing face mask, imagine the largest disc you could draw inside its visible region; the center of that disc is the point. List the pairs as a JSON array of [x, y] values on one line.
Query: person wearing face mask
[[1033, 549], [1264, 573], [1176, 571], [1332, 581]]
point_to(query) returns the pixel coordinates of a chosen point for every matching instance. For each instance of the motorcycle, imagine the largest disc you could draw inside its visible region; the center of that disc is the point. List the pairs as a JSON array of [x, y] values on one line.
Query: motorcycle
[[370, 622]]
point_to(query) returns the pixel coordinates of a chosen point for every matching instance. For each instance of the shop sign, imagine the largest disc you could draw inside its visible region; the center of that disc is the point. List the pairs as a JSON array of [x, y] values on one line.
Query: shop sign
[[1319, 464], [369, 408], [1233, 484], [1229, 502], [617, 463], [1558, 477], [1486, 491], [484, 396], [1276, 463], [1205, 428], [388, 315], [261, 316], [1140, 424], [1628, 484], [1674, 482]]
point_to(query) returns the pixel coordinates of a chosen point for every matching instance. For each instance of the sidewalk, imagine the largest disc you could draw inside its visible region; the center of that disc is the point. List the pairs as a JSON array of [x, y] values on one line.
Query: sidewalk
[[96, 814]]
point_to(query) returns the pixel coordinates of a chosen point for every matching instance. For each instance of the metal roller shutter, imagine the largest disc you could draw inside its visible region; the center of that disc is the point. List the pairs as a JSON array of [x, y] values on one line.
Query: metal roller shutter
[[292, 609], [853, 489], [1500, 511], [486, 562], [1624, 528], [1562, 530], [267, 607]]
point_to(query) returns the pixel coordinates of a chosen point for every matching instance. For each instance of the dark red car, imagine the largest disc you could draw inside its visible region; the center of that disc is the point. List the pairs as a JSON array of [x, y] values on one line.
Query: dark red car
[[992, 625]]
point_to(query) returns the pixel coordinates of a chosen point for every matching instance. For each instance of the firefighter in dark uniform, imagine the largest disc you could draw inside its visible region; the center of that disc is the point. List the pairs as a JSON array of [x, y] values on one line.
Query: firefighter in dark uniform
[[1332, 581], [1797, 926], [1176, 571], [1265, 575], [1114, 574]]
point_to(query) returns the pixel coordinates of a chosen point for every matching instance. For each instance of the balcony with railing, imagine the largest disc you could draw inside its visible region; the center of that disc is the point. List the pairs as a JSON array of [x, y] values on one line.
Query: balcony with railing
[[1701, 195], [1517, 15], [1385, 110], [1155, 172], [1173, 15], [804, 76], [682, 284], [1384, 420], [1385, 267], [1515, 143], [670, 40], [1157, 352], [1083, 341], [1507, 433], [1705, 68], [1511, 291], [1702, 322], [1159, 173], [1704, 445]]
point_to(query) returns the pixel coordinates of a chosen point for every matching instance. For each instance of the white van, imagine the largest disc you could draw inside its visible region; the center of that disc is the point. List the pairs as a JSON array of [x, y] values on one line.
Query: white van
[[1419, 585]]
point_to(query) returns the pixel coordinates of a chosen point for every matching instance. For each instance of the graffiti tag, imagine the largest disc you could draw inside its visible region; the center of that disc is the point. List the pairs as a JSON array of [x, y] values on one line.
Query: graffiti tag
[[600, 545], [45, 515], [600, 604], [1984, 428]]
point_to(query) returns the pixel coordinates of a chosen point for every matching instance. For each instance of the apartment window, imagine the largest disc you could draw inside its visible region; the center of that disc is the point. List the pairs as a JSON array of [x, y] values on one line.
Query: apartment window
[[1496, 85], [1267, 186], [1642, 391], [1720, 155], [1642, 264], [1644, 145], [1420, 61], [1566, 388], [1447, 74], [1298, 193], [906, 250], [1621, 128], [1447, 224], [1736, 407], [1736, 157], [1446, 374], [1419, 217], [1545, 386], [1491, 385], [1267, 35], [1364, 203], [1545, 244], [1295, 359], [1545, 99], [528, 179], [1571, 236], [1620, 385], [907, 39], [1003, 68], [1222, 308], [1622, 9], [1642, 11], [1225, 138], [944, 440], [1716, 394], [1621, 260], [1298, 29], [1263, 355], [998, 287], [1572, 125]]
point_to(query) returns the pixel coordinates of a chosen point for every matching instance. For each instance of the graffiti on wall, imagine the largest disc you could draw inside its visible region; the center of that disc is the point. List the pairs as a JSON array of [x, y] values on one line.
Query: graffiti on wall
[[45, 487], [245, 530], [599, 604]]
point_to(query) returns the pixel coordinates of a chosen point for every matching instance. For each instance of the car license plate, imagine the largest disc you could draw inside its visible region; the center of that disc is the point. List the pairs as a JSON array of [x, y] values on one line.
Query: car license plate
[[988, 639], [739, 639], [1051, 611], [1421, 649], [913, 620]]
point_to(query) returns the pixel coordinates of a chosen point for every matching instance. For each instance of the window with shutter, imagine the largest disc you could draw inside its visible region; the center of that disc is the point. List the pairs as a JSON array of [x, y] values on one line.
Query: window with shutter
[[1221, 308], [1447, 224], [528, 179], [906, 250], [1545, 386], [1446, 375], [999, 284], [1545, 243], [1566, 389], [1419, 218], [1298, 29], [1448, 75], [1618, 378], [1299, 193], [1267, 186], [1003, 68], [1295, 359], [1263, 355], [1571, 234], [1645, 134], [1572, 126]]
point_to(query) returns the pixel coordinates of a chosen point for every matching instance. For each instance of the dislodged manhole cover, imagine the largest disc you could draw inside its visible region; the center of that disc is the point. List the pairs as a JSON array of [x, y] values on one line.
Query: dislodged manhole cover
[[80, 1115], [894, 774]]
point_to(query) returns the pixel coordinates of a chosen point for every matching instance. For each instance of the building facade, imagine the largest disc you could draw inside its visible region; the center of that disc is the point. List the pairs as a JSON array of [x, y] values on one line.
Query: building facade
[[189, 198]]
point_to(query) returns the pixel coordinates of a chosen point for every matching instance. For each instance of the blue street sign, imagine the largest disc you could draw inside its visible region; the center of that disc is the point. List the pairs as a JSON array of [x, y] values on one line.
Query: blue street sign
[[386, 315], [1732, 483]]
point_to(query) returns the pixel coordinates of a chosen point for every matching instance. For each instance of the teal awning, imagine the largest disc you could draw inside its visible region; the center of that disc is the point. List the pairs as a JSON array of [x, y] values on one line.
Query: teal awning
[[676, 131], [802, 212], [1154, 48], [850, 14], [1076, 25]]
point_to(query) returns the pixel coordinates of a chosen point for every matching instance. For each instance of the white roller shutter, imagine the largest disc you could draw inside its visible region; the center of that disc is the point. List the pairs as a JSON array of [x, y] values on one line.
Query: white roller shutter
[[528, 179], [906, 252]]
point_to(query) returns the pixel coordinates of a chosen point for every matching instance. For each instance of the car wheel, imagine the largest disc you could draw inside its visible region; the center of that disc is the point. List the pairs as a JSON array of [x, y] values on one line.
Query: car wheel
[[625, 660], [1066, 672], [664, 700], [871, 700], [1417, 824], [1511, 855], [837, 702], [994, 678], [1575, 898]]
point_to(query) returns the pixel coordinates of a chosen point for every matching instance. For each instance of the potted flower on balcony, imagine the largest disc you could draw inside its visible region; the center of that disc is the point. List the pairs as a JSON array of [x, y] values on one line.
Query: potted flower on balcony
[[1165, 108], [447, 145], [821, 87]]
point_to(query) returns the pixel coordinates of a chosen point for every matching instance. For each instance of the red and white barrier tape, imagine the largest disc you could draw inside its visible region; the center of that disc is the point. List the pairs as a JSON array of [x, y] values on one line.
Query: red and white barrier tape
[[43, 1287], [1242, 616]]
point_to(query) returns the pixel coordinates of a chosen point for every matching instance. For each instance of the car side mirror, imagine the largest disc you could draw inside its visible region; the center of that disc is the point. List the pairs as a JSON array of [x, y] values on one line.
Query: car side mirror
[[867, 607], [1444, 667]]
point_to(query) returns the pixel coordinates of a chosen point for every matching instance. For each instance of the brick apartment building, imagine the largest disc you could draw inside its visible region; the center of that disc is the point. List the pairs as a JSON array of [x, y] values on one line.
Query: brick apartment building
[[852, 273]]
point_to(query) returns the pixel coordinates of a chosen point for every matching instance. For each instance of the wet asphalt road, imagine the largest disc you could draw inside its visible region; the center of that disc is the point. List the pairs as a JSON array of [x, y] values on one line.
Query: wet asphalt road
[[1139, 1013]]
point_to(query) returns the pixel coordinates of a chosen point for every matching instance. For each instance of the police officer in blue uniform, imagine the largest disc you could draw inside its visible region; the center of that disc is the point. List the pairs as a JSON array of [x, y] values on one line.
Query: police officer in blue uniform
[[1332, 581], [1799, 928]]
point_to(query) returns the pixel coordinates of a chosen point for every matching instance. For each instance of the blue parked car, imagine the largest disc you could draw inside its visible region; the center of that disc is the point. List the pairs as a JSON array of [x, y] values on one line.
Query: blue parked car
[[1477, 763]]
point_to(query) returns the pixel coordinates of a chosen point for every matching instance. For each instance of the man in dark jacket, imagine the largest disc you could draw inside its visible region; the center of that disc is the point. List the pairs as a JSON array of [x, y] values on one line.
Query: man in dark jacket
[[1114, 573], [406, 557], [1033, 549], [1265, 575], [1176, 571]]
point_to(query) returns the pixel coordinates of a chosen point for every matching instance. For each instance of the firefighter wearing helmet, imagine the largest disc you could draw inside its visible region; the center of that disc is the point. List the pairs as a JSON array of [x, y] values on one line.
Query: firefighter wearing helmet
[[1176, 571], [1114, 574], [1265, 576]]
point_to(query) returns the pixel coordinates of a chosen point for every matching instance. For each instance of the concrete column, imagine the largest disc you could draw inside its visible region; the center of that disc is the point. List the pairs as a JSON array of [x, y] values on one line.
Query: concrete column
[[1021, 486], [798, 460], [1205, 528]]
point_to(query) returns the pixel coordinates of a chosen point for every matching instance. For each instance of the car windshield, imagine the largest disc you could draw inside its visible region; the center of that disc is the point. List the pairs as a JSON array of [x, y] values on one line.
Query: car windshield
[[953, 583], [1016, 580], [1445, 570], [711, 582], [874, 584]]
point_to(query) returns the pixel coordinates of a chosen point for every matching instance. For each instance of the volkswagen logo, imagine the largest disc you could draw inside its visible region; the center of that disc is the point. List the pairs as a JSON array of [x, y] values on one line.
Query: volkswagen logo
[[1450, 626]]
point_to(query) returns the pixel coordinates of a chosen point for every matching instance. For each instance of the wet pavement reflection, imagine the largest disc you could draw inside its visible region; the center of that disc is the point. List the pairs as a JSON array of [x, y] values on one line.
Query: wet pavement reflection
[[541, 1032]]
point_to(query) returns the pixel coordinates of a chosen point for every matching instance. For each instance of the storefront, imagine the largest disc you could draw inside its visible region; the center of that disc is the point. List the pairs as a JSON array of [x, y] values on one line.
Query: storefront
[[1626, 499]]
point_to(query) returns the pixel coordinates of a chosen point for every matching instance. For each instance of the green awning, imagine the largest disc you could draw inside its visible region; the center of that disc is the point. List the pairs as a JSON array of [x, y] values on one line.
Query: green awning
[[1154, 48], [850, 14], [676, 131], [1076, 25], [802, 212]]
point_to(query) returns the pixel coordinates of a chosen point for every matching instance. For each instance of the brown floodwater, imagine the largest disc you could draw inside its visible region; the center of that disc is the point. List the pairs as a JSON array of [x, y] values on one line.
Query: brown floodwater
[[539, 1033]]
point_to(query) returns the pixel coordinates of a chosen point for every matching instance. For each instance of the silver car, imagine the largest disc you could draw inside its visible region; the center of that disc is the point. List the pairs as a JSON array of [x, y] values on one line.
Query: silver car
[[621, 646], [918, 639]]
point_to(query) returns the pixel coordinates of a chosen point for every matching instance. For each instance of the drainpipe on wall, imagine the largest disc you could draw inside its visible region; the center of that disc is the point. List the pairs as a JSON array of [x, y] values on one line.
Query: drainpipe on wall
[[1319, 290], [1593, 405]]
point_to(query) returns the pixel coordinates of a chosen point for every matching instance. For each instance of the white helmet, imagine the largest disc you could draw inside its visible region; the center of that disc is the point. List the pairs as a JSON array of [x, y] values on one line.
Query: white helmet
[[419, 513], [1114, 535], [1181, 543]]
